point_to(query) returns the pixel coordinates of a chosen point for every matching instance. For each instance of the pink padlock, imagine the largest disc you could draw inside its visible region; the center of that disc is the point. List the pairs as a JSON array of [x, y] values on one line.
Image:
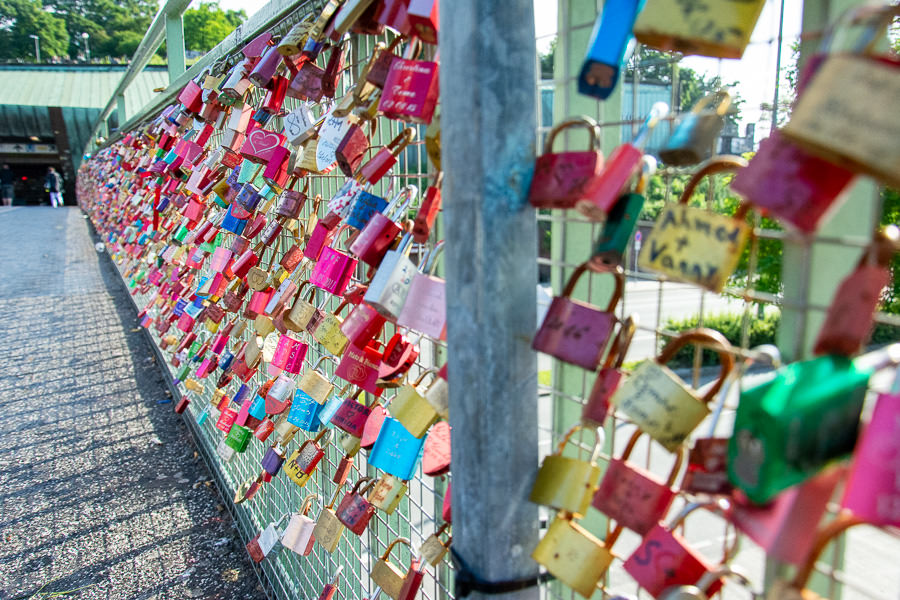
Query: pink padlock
[[324, 231], [363, 325], [220, 258], [333, 271], [276, 173], [359, 366], [257, 304], [185, 322], [411, 90]]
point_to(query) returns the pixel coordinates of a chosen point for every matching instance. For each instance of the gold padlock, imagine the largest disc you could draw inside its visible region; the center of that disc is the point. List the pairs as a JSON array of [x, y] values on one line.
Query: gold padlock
[[574, 555], [660, 403], [315, 384], [386, 575], [263, 325], [566, 483], [412, 410], [302, 310], [329, 529], [433, 549], [438, 396], [328, 332], [388, 492], [193, 385]]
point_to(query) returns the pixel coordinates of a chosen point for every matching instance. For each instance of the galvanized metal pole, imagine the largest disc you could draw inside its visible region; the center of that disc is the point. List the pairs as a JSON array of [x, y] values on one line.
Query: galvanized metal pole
[[488, 83], [175, 44], [121, 110]]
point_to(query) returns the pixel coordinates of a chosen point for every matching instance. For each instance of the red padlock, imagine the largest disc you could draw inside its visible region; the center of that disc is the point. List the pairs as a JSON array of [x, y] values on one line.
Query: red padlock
[[410, 91], [609, 376], [562, 179], [355, 511], [386, 158], [428, 211]]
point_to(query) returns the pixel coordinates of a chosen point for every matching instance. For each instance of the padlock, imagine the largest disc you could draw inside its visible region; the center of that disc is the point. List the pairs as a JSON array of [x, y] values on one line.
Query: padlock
[[396, 451], [353, 147], [348, 14], [360, 207], [425, 309], [182, 405], [333, 271], [796, 588], [850, 318], [438, 394], [329, 529], [387, 493], [379, 65], [303, 462], [272, 460], [292, 42], [278, 392], [411, 409], [238, 437], [328, 331], [331, 587], [606, 188], [576, 332], [383, 160], [423, 19], [306, 84], [694, 245], [359, 366], [382, 228], [429, 209], [284, 430], [634, 497], [264, 542], [609, 375], [574, 555], [720, 28], [562, 179], [411, 88], [355, 511], [315, 384], [433, 549], [373, 426], [622, 220], [389, 287], [298, 535], [791, 426], [567, 483], [388, 576], [413, 579], [302, 310], [399, 355], [351, 415], [694, 137], [660, 403], [607, 48], [437, 450], [363, 325], [289, 355]]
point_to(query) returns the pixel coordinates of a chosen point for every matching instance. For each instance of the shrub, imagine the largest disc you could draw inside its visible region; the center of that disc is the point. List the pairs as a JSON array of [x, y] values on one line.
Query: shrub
[[762, 331]]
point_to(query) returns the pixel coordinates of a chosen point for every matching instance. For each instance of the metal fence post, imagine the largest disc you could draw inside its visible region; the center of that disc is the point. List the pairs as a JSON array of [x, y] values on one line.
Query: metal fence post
[[488, 118], [175, 44]]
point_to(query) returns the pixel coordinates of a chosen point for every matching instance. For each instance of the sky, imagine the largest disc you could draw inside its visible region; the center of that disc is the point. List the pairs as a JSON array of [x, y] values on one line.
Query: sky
[[754, 73]]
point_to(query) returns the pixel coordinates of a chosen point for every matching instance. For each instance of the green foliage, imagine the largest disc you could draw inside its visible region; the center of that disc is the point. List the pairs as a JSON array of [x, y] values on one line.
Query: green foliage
[[891, 216], [21, 18], [111, 24], [207, 25], [547, 59], [762, 330]]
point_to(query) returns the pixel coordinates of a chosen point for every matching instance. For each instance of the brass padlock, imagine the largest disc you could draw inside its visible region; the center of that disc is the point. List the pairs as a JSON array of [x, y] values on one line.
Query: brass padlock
[[574, 555], [387, 575], [567, 483], [329, 529], [433, 549], [412, 409], [388, 492]]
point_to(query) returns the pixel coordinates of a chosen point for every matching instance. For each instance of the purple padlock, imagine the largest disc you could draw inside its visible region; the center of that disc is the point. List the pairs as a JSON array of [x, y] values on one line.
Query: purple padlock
[[272, 461]]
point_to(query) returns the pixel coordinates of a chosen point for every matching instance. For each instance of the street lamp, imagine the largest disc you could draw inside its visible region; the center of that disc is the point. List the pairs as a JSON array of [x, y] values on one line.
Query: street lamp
[[37, 47], [87, 47]]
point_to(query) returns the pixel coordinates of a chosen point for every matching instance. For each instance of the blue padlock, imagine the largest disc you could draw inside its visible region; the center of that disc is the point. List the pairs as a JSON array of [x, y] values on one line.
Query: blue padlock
[[304, 412], [180, 305], [610, 43], [163, 203], [204, 414], [364, 206], [249, 197], [225, 359], [396, 450], [257, 408], [329, 409], [232, 223]]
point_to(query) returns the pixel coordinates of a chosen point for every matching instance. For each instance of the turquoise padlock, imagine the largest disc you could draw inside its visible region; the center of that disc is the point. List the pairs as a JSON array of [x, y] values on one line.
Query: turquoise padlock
[[396, 450], [305, 412]]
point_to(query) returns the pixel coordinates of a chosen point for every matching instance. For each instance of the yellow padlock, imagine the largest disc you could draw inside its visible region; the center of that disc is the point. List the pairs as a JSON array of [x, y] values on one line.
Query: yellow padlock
[[660, 403], [328, 331], [412, 410], [386, 575], [574, 555], [329, 529], [433, 549], [566, 483]]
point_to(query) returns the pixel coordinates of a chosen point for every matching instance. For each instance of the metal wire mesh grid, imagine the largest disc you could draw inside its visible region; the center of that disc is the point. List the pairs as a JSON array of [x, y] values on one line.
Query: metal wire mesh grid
[[418, 514], [563, 388]]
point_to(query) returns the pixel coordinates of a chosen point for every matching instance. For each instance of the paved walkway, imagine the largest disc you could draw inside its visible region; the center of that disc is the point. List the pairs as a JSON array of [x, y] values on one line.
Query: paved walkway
[[100, 485]]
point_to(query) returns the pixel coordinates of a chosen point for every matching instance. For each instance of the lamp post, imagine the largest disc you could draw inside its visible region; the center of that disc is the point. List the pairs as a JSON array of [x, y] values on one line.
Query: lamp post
[[37, 47], [87, 48]]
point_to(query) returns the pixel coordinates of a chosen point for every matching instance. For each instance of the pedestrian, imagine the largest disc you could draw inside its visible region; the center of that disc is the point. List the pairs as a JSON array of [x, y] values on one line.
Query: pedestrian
[[7, 181], [53, 184]]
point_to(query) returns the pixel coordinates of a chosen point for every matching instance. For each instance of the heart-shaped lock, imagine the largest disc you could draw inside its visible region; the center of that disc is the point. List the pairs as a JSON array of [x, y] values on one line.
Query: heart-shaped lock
[[436, 456], [373, 426]]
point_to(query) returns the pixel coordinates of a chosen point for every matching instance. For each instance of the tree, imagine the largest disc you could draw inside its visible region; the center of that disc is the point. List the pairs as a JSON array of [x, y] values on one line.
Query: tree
[[207, 25], [547, 58], [22, 18], [111, 24]]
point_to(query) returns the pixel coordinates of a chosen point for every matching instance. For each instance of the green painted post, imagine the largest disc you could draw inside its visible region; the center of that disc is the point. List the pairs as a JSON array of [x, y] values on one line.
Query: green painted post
[[121, 112], [175, 45]]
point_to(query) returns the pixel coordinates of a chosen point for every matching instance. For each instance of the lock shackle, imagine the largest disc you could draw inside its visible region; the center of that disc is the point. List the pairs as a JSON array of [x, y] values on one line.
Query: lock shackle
[[307, 503], [390, 547], [403, 139], [280, 519], [708, 337], [371, 484], [344, 303], [719, 505], [423, 374], [400, 203], [326, 433], [405, 244], [616, 355], [444, 526], [337, 492], [722, 163], [583, 121], [676, 468], [719, 101], [616, 272], [322, 359], [359, 482], [710, 577], [844, 520], [432, 258], [598, 440], [413, 49]]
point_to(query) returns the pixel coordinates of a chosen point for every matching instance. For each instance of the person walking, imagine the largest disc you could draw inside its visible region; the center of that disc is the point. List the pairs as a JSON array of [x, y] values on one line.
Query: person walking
[[7, 183], [53, 184]]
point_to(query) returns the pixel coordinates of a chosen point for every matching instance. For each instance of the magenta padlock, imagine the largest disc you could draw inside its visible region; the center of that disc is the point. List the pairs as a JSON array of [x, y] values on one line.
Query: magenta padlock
[[294, 363], [410, 91], [264, 71], [219, 343], [322, 234], [283, 350], [243, 414], [257, 304], [351, 415], [275, 172], [226, 419], [185, 322], [363, 325], [272, 460], [220, 258], [382, 230], [207, 365], [333, 271], [360, 365]]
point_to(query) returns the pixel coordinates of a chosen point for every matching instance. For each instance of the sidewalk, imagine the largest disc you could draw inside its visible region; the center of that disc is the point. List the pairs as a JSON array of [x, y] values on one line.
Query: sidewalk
[[100, 484]]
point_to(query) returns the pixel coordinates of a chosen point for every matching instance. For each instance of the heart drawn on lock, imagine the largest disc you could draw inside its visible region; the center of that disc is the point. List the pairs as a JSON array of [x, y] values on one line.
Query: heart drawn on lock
[[261, 144], [436, 456], [257, 278]]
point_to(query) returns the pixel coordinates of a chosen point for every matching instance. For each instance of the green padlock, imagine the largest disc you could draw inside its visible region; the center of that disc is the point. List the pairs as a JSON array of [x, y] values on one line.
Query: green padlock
[[238, 437], [787, 429], [622, 220]]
